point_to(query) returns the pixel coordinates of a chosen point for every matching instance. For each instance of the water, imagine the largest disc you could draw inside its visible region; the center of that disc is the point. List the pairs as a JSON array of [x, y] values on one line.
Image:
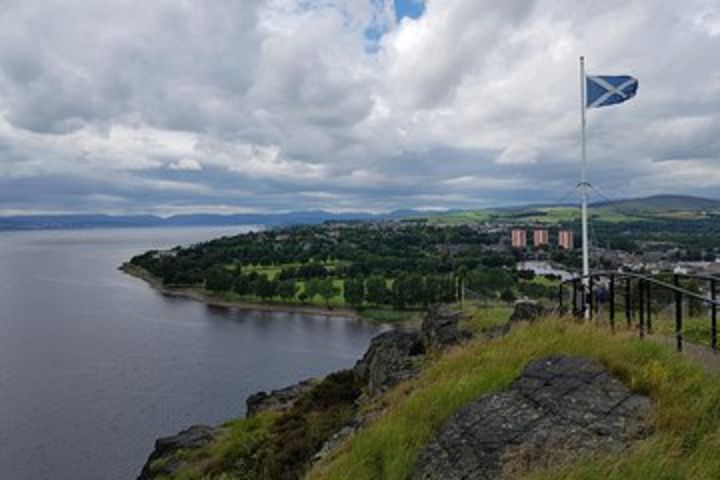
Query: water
[[94, 364]]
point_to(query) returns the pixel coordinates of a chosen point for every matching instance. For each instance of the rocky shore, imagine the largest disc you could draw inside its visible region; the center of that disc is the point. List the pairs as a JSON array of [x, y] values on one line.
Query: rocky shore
[[391, 358], [558, 409]]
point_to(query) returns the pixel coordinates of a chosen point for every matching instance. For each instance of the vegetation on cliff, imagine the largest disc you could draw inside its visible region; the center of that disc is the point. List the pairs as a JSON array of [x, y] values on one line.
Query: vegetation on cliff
[[685, 419], [399, 424], [269, 445]]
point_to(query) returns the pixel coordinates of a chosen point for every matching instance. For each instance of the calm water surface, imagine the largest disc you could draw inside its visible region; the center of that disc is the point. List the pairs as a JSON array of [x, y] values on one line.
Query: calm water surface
[[94, 365]]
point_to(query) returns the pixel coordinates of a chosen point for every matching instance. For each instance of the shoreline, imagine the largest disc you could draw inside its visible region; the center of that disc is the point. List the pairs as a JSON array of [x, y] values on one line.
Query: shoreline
[[201, 296]]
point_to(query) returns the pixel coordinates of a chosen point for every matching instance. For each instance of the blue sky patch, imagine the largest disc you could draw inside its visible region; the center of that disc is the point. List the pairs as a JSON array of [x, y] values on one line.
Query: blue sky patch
[[409, 8], [403, 9]]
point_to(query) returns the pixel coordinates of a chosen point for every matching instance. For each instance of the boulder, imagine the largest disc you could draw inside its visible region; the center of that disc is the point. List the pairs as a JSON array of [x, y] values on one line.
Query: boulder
[[558, 410], [527, 310], [280, 400], [391, 358], [163, 461], [440, 330]]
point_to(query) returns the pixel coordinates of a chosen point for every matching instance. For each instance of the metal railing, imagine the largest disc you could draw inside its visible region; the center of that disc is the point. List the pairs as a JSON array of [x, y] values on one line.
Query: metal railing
[[637, 296]]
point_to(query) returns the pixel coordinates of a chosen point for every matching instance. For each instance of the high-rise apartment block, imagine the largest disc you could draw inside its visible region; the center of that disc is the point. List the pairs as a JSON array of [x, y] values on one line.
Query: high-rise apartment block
[[519, 238], [566, 239], [541, 237]]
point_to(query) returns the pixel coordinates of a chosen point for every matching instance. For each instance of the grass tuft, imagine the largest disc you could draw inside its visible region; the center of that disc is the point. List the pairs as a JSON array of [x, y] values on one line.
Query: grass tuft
[[686, 418]]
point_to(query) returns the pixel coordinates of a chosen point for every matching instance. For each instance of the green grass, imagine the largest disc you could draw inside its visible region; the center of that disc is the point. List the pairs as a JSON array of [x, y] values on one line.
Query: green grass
[[336, 301], [547, 215], [237, 444], [545, 281], [695, 329], [472, 216], [479, 318], [686, 414], [272, 271], [273, 445]]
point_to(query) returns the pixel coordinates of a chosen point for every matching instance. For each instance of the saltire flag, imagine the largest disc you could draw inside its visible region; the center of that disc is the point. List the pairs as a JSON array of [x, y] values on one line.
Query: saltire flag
[[605, 90]]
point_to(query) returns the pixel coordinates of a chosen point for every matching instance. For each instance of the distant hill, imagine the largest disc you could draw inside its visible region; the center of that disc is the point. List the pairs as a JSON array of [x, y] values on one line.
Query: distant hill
[[49, 222], [661, 204], [658, 206], [680, 207]]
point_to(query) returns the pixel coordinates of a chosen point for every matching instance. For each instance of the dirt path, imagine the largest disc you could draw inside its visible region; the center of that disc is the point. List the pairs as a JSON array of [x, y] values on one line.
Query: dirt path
[[699, 353]]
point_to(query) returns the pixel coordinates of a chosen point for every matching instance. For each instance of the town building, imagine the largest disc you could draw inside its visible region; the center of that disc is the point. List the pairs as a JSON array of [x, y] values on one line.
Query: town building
[[566, 239], [519, 238], [541, 237]]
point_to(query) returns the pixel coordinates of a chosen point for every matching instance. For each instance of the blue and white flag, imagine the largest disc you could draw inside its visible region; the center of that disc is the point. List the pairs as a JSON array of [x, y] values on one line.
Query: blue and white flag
[[604, 90]]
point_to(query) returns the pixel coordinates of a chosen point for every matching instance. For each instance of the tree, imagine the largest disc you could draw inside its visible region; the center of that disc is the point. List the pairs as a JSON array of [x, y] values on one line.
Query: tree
[[287, 289], [376, 290], [312, 270], [312, 288], [354, 291], [327, 289], [489, 281], [265, 288], [507, 296], [407, 290], [218, 279], [243, 285]]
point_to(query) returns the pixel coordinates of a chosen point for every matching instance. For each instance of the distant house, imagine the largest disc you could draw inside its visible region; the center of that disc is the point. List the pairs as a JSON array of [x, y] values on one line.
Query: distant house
[[680, 270]]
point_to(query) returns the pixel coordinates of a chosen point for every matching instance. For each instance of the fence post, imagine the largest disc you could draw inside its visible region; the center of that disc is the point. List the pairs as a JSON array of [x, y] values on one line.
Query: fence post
[[590, 297], [628, 302], [678, 314], [560, 299], [612, 302], [641, 307], [648, 309], [713, 308], [574, 294]]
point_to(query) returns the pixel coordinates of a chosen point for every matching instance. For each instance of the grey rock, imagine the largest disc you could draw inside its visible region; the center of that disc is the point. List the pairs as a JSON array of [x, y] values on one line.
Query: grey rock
[[280, 400], [391, 358], [440, 330], [334, 442], [527, 310], [558, 410], [164, 454]]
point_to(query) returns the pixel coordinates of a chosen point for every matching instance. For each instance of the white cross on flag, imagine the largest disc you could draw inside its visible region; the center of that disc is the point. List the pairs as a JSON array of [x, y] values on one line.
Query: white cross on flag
[[607, 90]]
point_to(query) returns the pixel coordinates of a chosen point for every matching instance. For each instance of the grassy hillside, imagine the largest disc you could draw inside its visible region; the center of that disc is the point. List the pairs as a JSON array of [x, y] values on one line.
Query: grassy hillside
[[685, 420], [686, 398], [655, 207], [661, 204]]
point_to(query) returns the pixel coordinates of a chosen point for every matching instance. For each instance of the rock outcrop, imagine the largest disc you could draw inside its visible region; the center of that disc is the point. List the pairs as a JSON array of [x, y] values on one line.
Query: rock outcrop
[[527, 310], [277, 400], [391, 358], [559, 409], [440, 330], [163, 461]]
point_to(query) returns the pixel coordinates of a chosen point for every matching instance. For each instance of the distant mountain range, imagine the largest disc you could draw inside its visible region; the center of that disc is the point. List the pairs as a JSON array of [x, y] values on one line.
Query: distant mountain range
[[49, 222], [658, 205]]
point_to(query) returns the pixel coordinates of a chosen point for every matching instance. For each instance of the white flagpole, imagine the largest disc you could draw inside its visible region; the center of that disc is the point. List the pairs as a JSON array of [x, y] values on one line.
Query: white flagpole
[[584, 184]]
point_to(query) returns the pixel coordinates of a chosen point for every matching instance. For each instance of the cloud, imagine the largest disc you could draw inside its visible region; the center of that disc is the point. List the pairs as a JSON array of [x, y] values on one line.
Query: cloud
[[347, 104], [185, 164]]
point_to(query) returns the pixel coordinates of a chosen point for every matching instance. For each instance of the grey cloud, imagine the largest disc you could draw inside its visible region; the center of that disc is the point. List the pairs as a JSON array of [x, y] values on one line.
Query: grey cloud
[[127, 105]]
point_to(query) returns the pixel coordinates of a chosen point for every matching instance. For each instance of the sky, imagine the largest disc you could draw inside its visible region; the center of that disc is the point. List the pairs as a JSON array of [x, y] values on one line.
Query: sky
[[177, 106]]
